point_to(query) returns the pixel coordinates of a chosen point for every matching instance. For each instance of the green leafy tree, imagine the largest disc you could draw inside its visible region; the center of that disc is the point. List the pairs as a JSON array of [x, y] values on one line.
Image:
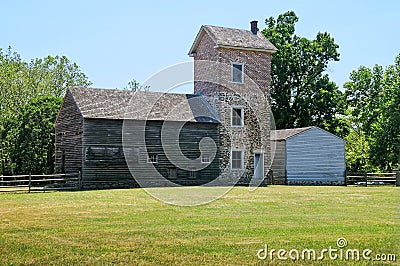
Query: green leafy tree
[[301, 94], [22, 81], [12, 85], [52, 75], [385, 131], [134, 85], [33, 151], [373, 97], [357, 152], [362, 94]]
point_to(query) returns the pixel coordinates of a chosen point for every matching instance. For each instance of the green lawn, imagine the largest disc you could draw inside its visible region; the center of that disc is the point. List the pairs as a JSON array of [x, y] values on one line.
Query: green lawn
[[121, 227]]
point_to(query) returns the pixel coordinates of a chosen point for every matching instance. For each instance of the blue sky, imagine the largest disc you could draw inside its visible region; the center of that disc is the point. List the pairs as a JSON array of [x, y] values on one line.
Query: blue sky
[[115, 41]]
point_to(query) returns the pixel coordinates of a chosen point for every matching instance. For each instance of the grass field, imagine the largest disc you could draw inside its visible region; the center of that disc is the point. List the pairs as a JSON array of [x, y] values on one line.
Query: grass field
[[128, 227]]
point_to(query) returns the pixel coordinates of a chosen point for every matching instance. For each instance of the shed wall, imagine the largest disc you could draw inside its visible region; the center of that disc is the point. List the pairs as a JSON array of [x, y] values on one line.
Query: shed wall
[[279, 163], [315, 156]]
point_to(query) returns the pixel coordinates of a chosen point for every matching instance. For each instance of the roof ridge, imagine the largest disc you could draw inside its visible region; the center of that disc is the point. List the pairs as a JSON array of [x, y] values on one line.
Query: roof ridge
[[295, 128], [282, 134], [131, 91]]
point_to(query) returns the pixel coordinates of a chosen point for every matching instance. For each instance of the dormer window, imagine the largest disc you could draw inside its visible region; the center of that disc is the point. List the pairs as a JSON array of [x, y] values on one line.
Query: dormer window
[[237, 72]]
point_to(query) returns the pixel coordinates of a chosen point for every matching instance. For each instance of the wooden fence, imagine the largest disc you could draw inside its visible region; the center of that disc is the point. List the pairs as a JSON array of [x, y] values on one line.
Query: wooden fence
[[365, 179], [29, 183]]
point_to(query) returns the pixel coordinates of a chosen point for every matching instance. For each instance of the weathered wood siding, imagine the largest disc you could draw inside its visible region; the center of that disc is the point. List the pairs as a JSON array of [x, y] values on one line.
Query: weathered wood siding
[[104, 159], [105, 153], [68, 142], [315, 156], [189, 138], [279, 163]]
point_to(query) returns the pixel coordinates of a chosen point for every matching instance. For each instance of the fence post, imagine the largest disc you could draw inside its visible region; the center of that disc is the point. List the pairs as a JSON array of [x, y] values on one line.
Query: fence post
[[345, 178], [366, 179], [79, 180], [397, 178], [29, 183]]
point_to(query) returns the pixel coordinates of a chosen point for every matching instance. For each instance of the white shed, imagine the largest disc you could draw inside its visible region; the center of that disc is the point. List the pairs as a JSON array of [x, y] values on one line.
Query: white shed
[[308, 156]]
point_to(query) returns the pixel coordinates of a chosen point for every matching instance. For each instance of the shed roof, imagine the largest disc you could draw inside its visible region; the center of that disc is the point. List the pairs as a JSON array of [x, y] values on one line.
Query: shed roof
[[283, 134], [234, 38], [140, 105]]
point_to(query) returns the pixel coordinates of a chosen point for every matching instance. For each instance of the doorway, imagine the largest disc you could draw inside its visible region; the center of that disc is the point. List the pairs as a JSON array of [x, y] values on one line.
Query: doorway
[[258, 165]]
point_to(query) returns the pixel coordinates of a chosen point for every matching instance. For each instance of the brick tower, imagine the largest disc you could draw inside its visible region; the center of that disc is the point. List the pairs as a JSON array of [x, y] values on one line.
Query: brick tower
[[232, 69]]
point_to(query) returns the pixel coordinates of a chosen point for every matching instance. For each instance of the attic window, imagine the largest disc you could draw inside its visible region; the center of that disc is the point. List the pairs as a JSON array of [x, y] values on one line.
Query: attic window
[[237, 72]]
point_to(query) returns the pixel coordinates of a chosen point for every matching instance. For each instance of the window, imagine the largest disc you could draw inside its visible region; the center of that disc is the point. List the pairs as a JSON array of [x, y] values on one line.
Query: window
[[192, 173], [237, 72], [237, 116], [237, 160], [152, 158], [172, 173], [205, 158], [104, 153]]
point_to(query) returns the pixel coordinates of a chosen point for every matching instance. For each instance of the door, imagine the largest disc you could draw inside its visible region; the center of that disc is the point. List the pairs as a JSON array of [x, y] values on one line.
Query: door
[[258, 165]]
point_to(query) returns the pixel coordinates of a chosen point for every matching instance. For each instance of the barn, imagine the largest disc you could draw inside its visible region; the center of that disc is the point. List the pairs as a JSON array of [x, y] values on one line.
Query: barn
[[220, 133], [111, 136], [308, 156]]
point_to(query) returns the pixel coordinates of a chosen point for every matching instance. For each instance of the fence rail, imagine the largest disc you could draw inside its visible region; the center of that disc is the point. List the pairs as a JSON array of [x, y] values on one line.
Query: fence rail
[[29, 183], [365, 179]]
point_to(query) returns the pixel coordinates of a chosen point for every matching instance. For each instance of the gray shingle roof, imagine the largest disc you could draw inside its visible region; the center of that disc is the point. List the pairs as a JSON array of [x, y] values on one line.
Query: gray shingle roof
[[283, 134], [122, 104], [234, 38]]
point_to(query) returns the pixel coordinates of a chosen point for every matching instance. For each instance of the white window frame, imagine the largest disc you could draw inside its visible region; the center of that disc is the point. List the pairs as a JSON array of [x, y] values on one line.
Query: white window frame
[[242, 112], [242, 79], [149, 158], [242, 160], [205, 158]]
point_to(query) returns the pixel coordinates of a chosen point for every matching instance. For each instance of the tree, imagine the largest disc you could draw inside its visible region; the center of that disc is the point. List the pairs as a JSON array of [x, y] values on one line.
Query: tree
[[373, 97], [22, 81], [12, 89], [301, 94], [52, 75], [33, 151], [362, 95], [134, 85], [357, 152], [385, 134]]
